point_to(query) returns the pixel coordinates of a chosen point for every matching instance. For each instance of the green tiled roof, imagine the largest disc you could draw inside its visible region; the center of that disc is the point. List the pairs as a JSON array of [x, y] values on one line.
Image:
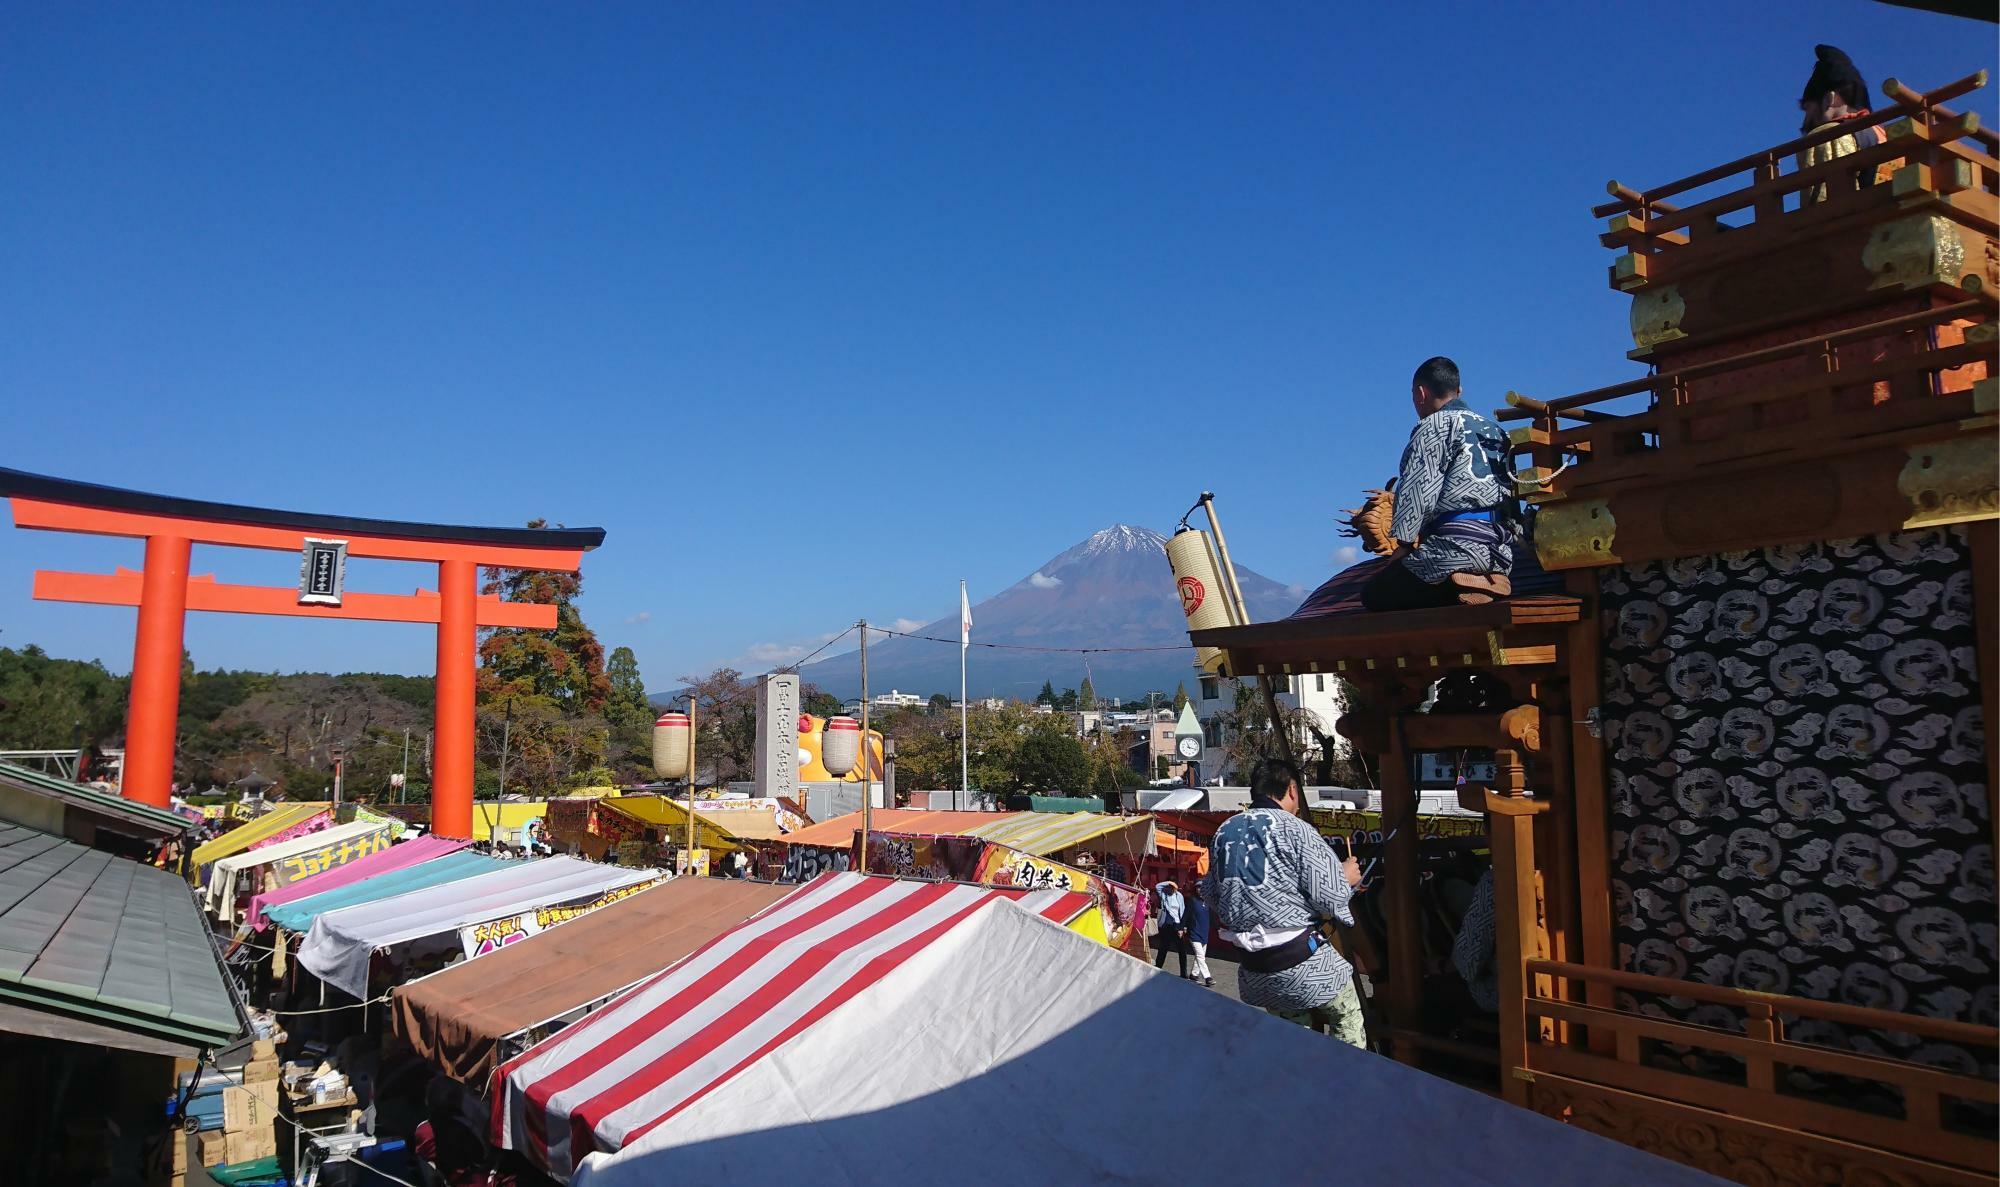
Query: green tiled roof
[[108, 940], [31, 780]]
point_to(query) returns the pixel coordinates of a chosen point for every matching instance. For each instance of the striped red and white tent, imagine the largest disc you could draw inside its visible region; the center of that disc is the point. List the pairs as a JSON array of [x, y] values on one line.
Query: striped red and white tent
[[630, 1066]]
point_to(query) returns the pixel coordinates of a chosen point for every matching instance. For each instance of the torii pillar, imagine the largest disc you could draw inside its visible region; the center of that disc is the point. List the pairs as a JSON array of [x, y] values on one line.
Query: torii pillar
[[164, 591]]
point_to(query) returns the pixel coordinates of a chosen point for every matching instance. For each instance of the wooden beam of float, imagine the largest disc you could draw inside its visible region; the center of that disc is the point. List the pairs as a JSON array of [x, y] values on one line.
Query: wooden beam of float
[[163, 591]]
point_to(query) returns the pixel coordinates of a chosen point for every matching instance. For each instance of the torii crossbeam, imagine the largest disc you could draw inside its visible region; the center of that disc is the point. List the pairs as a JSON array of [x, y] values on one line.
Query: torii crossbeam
[[164, 591]]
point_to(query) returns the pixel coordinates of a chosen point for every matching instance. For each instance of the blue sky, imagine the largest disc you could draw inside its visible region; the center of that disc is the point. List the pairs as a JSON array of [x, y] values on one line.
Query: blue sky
[[818, 309]]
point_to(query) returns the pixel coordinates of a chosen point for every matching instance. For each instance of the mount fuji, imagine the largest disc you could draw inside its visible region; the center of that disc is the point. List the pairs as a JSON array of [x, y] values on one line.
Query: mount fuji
[[1114, 589]]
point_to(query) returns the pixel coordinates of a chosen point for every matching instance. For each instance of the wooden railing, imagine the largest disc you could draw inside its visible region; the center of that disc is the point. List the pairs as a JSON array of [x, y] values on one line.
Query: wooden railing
[[1610, 1047], [1940, 152], [1655, 422]]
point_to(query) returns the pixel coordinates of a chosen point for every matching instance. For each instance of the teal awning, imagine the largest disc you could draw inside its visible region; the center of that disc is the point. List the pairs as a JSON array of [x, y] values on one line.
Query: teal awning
[[298, 914], [108, 942]]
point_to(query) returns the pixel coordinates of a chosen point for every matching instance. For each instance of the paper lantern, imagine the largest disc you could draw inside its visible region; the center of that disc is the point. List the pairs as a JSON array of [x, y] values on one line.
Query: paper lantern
[[670, 746], [1198, 584], [840, 748]]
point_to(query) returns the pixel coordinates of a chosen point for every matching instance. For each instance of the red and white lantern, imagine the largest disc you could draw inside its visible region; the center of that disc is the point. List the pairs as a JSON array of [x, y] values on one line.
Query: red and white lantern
[[670, 746], [840, 746]]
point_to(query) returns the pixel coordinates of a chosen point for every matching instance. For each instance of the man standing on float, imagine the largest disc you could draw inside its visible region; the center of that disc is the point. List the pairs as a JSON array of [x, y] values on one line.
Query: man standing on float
[[1449, 531]]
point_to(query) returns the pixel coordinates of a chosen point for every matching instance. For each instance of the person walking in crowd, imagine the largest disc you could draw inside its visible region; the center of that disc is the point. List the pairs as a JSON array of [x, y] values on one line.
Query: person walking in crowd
[[1173, 926], [1197, 938], [1271, 880]]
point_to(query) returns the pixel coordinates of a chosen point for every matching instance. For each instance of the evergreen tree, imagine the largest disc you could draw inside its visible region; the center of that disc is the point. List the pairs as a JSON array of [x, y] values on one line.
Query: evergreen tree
[[1048, 694], [817, 701], [628, 701], [1086, 697], [1180, 697], [939, 703]]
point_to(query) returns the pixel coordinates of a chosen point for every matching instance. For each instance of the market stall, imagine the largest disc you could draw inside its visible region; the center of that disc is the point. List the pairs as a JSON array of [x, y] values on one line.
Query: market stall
[[628, 1067], [298, 915], [926, 1073], [282, 863], [339, 943], [383, 861], [469, 1017], [279, 824]]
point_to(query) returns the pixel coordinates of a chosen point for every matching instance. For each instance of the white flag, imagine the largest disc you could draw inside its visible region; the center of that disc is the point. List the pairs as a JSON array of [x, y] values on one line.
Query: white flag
[[964, 618]]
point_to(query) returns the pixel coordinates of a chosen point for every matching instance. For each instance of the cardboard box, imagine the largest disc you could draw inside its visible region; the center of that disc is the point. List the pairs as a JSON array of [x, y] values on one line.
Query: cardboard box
[[259, 1071], [263, 1049], [249, 1107], [214, 1147], [251, 1145], [177, 1146]]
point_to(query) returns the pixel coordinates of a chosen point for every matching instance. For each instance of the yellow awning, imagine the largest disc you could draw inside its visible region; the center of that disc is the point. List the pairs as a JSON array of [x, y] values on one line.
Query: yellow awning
[[264, 827], [662, 812], [1043, 833], [504, 819]]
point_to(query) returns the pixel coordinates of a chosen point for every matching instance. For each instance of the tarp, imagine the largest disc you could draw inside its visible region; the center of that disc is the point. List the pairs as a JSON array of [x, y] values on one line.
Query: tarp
[[245, 871], [271, 824], [505, 822], [1043, 833], [838, 833], [1040, 833], [1004, 1050], [618, 1073], [396, 857], [458, 1017], [1187, 797], [337, 947], [662, 813], [299, 914]]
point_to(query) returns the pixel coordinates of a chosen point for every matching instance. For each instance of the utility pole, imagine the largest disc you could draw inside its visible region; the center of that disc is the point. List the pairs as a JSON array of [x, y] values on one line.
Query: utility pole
[[403, 788], [691, 769], [867, 768], [506, 729]]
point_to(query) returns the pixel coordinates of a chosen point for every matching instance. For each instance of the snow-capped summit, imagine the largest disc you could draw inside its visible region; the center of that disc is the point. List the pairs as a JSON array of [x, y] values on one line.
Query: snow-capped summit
[[1113, 589]]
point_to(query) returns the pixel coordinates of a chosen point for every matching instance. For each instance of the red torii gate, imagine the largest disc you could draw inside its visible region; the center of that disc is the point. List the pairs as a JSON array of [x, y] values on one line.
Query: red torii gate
[[164, 592]]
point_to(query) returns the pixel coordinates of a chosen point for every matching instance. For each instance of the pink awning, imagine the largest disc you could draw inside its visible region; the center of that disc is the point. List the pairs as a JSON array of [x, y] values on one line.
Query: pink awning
[[395, 857]]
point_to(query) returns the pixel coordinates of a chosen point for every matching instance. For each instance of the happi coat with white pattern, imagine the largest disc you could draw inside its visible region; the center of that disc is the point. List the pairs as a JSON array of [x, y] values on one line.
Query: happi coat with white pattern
[[1456, 461]]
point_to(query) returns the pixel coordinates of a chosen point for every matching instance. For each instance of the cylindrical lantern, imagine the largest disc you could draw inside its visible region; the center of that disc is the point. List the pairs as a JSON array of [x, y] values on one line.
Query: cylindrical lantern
[[1198, 583], [670, 746], [840, 746]]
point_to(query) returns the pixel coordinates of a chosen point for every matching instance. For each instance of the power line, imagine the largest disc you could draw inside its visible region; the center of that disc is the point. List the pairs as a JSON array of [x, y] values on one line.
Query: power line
[[1029, 646]]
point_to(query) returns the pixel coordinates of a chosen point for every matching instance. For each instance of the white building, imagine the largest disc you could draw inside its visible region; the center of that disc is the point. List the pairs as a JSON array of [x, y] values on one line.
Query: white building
[[898, 699], [1215, 707]]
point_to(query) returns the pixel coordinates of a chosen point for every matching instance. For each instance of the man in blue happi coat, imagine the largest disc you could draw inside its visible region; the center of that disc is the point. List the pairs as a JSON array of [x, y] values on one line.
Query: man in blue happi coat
[[1450, 521]]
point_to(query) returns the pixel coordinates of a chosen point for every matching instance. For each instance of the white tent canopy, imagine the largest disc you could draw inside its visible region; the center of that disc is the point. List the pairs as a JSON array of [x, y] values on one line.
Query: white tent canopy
[[1011, 1048], [224, 877], [337, 948]]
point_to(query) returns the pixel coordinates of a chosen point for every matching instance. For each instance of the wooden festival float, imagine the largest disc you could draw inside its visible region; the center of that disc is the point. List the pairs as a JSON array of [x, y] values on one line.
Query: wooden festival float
[[1742, 822]]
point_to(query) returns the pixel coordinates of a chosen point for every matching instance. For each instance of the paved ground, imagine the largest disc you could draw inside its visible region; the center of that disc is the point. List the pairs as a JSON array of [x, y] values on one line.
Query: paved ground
[[1224, 970]]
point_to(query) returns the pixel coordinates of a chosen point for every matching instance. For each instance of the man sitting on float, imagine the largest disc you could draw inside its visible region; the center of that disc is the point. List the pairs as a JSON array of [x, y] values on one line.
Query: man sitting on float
[[1447, 522]]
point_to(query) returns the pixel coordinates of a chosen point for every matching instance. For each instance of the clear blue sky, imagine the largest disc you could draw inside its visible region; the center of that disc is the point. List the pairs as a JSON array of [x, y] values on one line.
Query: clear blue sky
[[818, 308]]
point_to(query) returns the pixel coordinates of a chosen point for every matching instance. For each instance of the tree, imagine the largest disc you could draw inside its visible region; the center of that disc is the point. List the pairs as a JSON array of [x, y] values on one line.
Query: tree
[[565, 665], [56, 704], [939, 703], [1050, 761], [1065, 701], [726, 724], [817, 701], [1086, 697], [1180, 697], [1047, 696], [627, 701]]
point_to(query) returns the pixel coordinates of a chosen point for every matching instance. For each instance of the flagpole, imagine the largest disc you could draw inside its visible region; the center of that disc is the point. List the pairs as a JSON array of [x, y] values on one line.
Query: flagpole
[[964, 644]]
